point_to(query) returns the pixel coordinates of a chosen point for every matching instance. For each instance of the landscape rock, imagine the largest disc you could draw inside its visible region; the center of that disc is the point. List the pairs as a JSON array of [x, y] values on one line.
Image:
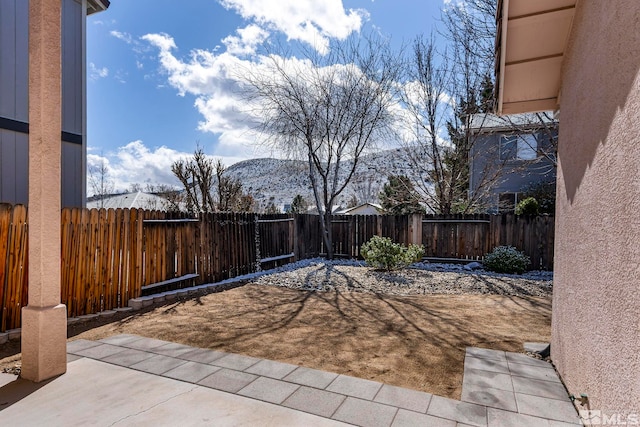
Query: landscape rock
[[473, 266], [422, 279]]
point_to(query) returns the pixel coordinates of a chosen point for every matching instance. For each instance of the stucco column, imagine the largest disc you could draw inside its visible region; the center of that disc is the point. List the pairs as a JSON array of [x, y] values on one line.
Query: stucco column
[[44, 320]]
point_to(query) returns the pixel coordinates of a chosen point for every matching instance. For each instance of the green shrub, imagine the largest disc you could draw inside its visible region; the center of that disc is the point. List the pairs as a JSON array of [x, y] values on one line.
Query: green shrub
[[382, 253], [528, 206], [506, 259], [545, 193]]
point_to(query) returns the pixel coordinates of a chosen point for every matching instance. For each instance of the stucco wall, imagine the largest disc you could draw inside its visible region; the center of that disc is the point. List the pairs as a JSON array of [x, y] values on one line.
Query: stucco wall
[[596, 298]]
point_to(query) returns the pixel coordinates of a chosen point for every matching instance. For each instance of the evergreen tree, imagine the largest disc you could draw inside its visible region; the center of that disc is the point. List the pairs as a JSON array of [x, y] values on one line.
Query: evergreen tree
[[398, 196], [271, 208], [299, 205]]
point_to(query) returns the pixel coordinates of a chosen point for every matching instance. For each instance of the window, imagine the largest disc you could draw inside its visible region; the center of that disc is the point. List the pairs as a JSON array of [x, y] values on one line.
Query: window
[[519, 147], [507, 202]]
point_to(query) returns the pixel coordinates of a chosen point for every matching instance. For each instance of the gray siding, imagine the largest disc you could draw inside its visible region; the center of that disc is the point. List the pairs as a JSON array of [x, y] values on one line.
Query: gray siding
[[513, 176], [72, 175], [14, 59], [14, 105], [14, 164], [72, 97]]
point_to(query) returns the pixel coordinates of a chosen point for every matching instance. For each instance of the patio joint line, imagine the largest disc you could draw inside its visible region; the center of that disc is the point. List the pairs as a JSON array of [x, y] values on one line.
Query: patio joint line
[[154, 406]]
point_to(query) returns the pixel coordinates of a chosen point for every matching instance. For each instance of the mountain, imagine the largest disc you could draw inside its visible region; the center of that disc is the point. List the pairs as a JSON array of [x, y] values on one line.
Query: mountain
[[279, 181]]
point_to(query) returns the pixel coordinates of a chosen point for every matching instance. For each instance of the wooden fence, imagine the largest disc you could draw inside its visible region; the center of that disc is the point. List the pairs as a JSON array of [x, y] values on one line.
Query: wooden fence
[[473, 236], [450, 237], [108, 255]]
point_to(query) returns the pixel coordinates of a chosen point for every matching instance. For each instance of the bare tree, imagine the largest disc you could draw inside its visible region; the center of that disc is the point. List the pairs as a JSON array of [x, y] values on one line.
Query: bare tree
[[172, 197], [449, 100], [196, 176], [470, 26], [366, 187], [231, 197], [202, 177], [100, 181], [326, 110]]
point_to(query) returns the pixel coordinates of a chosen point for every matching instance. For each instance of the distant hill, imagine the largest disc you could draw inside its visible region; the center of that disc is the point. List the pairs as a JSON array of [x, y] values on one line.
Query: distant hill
[[279, 181]]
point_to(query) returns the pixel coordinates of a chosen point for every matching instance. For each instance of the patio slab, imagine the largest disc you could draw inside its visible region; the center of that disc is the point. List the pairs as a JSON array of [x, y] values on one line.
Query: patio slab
[[406, 418], [191, 372], [486, 353], [128, 357], [412, 400], [356, 387], [228, 380], [490, 397], [550, 389], [123, 397], [269, 390], [311, 377], [477, 378], [271, 369], [365, 413], [230, 389], [314, 401]]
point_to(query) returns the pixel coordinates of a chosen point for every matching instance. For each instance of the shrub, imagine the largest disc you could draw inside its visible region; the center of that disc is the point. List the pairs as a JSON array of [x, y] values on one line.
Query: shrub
[[528, 206], [382, 253], [506, 259], [545, 193]]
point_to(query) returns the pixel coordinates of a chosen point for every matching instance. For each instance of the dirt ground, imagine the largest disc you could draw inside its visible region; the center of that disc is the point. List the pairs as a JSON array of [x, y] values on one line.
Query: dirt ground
[[410, 341]]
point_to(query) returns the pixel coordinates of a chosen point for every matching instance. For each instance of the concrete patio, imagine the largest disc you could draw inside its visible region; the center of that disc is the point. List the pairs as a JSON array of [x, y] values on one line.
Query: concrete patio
[[131, 380]]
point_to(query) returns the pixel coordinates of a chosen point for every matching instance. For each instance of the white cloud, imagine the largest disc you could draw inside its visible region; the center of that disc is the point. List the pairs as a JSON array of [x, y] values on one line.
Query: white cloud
[[249, 38], [125, 37], [309, 21], [96, 73], [212, 79], [135, 163]]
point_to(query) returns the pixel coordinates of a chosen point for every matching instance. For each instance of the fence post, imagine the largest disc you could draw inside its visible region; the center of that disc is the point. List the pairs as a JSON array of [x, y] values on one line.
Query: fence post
[[415, 229], [293, 236]]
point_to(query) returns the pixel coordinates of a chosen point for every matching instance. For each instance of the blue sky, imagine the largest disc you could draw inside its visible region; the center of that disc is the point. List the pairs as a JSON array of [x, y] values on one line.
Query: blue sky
[[158, 78]]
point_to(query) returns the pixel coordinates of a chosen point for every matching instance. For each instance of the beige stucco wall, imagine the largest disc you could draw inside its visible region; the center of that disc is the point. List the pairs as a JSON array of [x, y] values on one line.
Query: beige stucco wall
[[596, 301]]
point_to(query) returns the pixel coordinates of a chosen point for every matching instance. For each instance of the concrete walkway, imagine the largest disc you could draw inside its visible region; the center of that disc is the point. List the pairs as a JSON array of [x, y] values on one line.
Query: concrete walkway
[[131, 380]]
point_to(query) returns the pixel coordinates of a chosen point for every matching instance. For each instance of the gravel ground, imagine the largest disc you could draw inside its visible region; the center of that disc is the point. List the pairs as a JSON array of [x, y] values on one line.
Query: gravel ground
[[420, 279]]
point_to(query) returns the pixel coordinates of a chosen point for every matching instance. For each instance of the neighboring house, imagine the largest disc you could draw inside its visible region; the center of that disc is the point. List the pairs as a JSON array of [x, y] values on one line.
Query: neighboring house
[[14, 99], [363, 209], [508, 156], [135, 200], [313, 210], [583, 58]]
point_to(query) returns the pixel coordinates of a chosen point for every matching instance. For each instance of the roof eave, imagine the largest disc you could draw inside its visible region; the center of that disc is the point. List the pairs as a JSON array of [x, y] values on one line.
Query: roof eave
[[95, 6], [531, 40]]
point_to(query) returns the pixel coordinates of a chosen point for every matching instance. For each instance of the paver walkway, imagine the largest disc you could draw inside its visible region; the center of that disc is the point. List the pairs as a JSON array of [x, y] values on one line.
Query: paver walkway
[[499, 389]]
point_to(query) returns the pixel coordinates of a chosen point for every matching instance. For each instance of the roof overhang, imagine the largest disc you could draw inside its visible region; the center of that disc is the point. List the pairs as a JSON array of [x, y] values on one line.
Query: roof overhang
[[530, 44], [94, 6]]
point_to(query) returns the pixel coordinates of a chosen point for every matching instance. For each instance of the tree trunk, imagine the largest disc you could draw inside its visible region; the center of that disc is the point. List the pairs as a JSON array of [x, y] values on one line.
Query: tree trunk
[[327, 234]]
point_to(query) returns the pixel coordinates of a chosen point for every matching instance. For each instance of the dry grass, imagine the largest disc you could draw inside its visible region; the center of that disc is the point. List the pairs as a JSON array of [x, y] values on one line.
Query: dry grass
[[410, 341]]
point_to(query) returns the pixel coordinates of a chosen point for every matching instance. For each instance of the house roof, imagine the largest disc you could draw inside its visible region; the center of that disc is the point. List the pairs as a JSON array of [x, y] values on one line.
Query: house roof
[[480, 123], [374, 205], [530, 44], [135, 200], [94, 6]]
